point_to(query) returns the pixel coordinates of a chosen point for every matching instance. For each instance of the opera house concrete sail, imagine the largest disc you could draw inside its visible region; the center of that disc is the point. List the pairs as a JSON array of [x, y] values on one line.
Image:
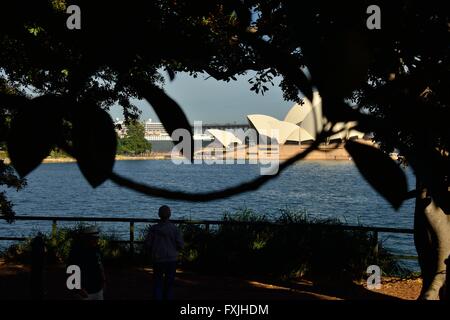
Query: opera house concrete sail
[[309, 117], [272, 128], [225, 138]]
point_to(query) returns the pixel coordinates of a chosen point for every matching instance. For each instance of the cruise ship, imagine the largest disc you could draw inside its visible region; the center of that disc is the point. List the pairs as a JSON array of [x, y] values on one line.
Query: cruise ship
[[154, 131]]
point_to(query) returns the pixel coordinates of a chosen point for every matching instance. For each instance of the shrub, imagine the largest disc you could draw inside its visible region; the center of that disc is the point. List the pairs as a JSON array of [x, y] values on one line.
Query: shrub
[[58, 247], [292, 246]]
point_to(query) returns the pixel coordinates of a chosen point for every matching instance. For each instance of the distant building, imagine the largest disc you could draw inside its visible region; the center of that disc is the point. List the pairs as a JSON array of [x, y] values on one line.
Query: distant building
[[301, 124], [121, 128]]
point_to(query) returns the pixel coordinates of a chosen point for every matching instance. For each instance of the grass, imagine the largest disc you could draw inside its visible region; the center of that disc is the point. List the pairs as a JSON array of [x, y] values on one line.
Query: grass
[[297, 247]]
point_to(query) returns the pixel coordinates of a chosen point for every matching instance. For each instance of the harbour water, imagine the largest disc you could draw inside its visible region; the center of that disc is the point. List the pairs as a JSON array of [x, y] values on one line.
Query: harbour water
[[322, 189]]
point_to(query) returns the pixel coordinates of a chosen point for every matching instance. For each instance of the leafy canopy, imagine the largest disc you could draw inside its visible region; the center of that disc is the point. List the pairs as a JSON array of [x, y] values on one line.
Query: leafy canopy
[[393, 81]]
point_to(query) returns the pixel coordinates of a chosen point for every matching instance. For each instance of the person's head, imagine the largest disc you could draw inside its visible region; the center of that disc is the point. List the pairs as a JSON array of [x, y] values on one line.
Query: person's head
[[91, 236], [164, 213]]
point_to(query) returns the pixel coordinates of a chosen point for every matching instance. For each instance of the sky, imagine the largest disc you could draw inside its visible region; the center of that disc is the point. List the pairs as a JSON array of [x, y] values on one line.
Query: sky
[[211, 101]]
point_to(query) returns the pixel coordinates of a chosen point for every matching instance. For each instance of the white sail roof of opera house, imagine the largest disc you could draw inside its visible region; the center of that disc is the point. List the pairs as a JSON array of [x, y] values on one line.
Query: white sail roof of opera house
[[346, 133], [226, 138], [298, 113], [300, 135], [271, 127], [310, 118]]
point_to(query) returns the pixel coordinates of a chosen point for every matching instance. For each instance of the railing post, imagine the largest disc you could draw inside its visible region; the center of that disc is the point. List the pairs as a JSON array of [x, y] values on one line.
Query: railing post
[[375, 244], [131, 237], [207, 227], [54, 228], [37, 283]]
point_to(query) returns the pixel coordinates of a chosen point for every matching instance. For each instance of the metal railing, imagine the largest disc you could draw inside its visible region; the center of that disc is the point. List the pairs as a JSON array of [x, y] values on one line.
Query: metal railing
[[207, 224]]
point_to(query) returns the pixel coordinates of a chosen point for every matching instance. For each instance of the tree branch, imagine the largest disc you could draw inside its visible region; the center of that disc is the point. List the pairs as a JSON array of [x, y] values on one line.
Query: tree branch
[[410, 194]]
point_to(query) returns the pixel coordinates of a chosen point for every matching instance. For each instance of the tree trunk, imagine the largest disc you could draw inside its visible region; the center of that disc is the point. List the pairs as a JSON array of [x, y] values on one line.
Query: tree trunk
[[432, 240]]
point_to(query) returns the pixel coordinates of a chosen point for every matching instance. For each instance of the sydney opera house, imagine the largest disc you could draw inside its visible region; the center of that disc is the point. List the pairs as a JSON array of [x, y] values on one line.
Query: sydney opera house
[[298, 129], [263, 133]]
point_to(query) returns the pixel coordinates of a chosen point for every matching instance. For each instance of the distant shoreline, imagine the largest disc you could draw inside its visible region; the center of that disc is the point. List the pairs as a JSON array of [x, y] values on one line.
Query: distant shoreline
[[147, 158], [328, 153], [118, 158]]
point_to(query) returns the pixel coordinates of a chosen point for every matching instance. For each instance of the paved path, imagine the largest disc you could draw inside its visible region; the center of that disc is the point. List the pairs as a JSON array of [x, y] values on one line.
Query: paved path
[[135, 283]]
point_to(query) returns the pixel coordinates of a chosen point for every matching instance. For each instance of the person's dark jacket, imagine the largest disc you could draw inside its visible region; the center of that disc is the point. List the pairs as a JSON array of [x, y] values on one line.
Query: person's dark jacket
[[164, 240]]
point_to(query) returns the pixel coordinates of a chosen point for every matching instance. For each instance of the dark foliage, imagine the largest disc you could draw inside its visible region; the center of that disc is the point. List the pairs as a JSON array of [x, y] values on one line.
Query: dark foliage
[[387, 72], [297, 248]]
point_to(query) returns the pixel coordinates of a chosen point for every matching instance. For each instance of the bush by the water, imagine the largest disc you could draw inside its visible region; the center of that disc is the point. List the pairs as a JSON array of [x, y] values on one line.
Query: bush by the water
[[58, 247], [292, 246], [295, 246]]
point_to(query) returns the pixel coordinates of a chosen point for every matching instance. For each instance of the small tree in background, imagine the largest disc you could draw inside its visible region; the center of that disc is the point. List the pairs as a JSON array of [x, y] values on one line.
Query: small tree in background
[[134, 141]]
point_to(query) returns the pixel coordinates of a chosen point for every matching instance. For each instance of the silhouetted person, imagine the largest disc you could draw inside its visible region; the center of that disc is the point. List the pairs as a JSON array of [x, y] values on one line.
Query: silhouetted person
[[163, 241], [37, 274], [85, 253]]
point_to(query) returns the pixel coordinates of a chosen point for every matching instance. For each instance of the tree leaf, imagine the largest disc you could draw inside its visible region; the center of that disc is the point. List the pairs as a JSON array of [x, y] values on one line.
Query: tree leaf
[[13, 101], [94, 143], [340, 64], [170, 73], [383, 174], [168, 111], [34, 132]]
